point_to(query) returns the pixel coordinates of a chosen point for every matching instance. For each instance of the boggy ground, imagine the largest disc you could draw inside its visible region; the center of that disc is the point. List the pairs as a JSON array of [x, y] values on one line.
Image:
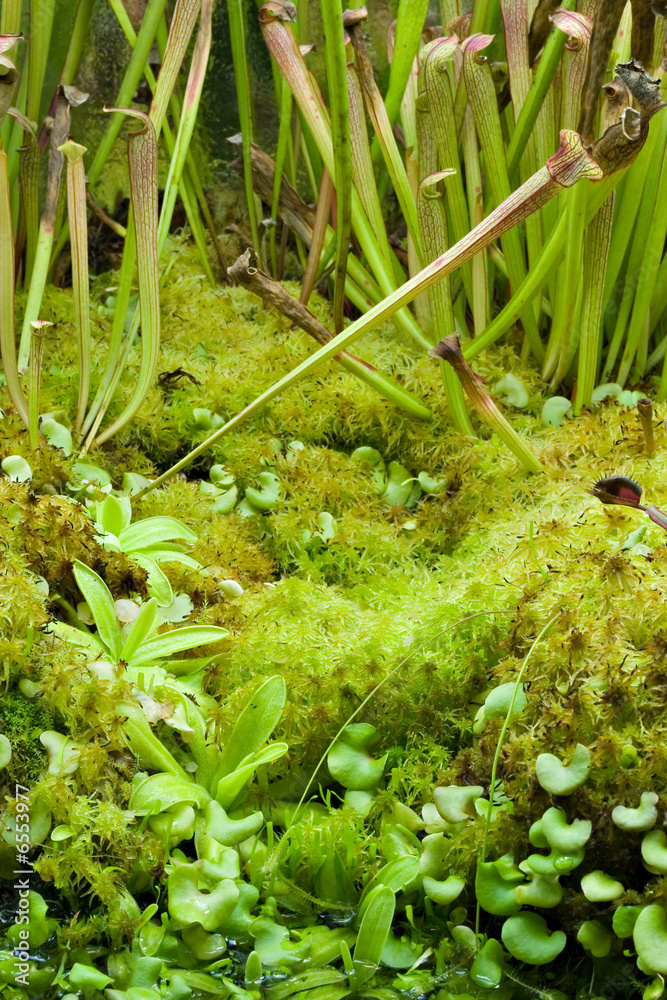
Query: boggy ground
[[333, 603]]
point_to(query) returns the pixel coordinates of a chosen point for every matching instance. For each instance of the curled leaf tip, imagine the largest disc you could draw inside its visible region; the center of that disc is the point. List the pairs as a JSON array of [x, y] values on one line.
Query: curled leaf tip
[[617, 490], [277, 10], [645, 88], [352, 17], [474, 44], [579, 27], [572, 161], [449, 349]]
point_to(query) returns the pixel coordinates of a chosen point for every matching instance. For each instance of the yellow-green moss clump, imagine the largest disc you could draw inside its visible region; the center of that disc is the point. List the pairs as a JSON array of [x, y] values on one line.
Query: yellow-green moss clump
[[341, 583]]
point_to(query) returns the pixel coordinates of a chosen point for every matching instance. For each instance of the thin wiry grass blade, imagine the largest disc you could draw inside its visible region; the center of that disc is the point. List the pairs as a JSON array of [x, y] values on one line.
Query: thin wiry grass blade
[[322, 212]]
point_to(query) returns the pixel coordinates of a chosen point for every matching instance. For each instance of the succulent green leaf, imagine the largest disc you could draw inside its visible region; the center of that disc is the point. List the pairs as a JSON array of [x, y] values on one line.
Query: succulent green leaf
[[349, 761], [397, 874], [154, 531], [595, 937], [544, 891], [373, 933], [141, 628], [600, 888], [113, 513], [227, 831], [238, 924], [431, 485], [166, 552], [87, 979], [601, 392], [399, 486], [230, 786], [563, 836], [190, 905], [63, 753], [650, 938], [554, 410], [624, 920], [253, 969], [177, 641], [554, 863], [456, 803], [487, 969], [513, 391], [57, 435], [527, 938], [654, 852], [5, 751], [160, 792], [655, 989], [174, 825], [159, 586], [270, 494], [17, 469], [642, 818], [559, 779], [536, 835], [254, 725], [443, 893], [204, 946], [494, 893], [499, 701], [102, 607]]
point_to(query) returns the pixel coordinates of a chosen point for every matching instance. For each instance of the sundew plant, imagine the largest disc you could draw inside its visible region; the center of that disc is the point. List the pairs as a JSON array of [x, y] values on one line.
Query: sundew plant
[[326, 674]]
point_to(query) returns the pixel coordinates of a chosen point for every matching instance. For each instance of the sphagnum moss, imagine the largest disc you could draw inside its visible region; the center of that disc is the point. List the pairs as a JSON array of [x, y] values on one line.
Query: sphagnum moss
[[334, 605]]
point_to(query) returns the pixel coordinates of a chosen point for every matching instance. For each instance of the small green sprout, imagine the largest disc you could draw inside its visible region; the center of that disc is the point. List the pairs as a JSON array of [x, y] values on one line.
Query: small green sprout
[[642, 818], [17, 469], [554, 410], [561, 779], [495, 891], [650, 938], [527, 938], [600, 888], [654, 852], [595, 937], [488, 968], [564, 836], [443, 892], [456, 803], [349, 759], [5, 751], [544, 891]]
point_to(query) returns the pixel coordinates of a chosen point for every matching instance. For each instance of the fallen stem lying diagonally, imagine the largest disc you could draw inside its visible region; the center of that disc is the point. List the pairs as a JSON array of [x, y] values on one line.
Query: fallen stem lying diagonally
[[272, 293]]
